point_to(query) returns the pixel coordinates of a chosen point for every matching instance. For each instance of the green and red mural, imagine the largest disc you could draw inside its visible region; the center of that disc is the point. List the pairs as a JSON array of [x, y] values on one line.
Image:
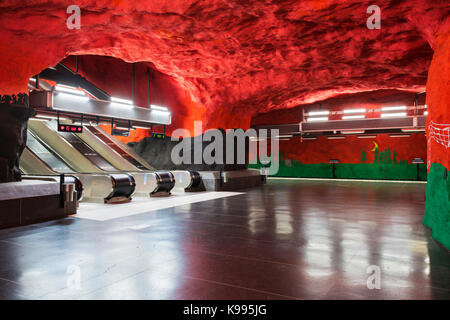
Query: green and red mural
[[377, 157]]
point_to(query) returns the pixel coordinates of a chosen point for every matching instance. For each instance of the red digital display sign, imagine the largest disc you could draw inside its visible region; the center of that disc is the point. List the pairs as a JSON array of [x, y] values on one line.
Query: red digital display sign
[[70, 128]]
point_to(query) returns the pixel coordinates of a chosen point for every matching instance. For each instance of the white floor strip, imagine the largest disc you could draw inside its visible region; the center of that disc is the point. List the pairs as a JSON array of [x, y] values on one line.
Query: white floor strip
[[337, 180], [104, 212]]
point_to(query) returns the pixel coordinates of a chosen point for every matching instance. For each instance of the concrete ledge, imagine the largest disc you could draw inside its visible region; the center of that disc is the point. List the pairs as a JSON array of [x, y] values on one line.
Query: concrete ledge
[[230, 180], [28, 202], [28, 189]]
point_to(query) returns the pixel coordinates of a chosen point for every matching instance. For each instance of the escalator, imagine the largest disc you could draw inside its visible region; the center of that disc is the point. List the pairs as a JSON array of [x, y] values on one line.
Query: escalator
[[41, 158], [50, 158], [39, 162], [88, 152], [123, 153], [90, 157], [184, 180]]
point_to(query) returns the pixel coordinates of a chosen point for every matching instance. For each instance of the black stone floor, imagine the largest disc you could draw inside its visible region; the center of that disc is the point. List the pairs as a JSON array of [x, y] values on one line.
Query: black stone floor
[[289, 239]]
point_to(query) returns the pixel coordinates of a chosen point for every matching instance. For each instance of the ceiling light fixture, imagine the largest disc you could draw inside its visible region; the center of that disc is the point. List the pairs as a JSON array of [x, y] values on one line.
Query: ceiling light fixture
[[71, 90], [155, 107], [413, 129], [319, 113], [73, 96], [393, 108], [353, 117], [120, 101], [317, 119], [352, 132], [285, 136], [354, 111], [399, 135], [393, 115]]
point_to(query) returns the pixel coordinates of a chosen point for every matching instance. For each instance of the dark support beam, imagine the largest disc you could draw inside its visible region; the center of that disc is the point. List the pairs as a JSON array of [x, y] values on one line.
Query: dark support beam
[[133, 72], [148, 87], [63, 75]]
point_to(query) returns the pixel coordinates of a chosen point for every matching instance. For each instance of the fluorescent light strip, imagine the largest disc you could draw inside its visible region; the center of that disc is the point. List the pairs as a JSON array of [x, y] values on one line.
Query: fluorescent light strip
[[71, 90], [161, 111], [122, 128], [310, 138], [317, 119], [353, 117], [318, 113], [285, 136], [257, 140], [154, 107], [336, 138], [367, 137], [354, 111], [393, 108], [399, 135], [121, 101], [352, 132], [393, 115], [413, 130], [49, 117], [74, 96], [45, 117]]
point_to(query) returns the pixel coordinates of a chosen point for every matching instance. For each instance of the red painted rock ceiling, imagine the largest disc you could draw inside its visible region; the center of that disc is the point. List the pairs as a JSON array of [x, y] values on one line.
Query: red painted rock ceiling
[[233, 59]]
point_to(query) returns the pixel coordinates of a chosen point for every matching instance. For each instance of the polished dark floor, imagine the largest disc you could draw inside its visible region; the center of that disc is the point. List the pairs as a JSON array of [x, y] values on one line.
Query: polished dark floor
[[290, 239]]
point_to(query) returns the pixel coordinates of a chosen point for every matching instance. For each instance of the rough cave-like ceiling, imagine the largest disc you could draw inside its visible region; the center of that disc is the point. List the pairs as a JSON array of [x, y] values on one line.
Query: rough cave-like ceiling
[[235, 58]]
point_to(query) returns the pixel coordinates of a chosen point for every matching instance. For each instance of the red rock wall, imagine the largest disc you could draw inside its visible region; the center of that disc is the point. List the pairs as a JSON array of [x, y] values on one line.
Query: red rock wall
[[438, 99], [368, 100], [234, 58], [437, 210]]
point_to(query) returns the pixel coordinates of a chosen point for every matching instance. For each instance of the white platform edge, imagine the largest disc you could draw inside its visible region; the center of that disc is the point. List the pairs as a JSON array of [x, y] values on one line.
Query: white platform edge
[[104, 212]]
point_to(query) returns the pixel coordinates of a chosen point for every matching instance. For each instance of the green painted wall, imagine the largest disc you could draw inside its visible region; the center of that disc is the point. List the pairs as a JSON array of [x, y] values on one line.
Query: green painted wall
[[437, 205], [377, 171]]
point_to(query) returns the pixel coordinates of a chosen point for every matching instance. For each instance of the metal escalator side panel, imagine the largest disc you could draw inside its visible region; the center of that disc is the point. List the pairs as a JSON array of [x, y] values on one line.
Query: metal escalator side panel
[[187, 180], [46, 132], [46, 154], [87, 151], [30, 164], [106, 151], [96, 187], [107, 188], [117, 148], [145, 183]]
